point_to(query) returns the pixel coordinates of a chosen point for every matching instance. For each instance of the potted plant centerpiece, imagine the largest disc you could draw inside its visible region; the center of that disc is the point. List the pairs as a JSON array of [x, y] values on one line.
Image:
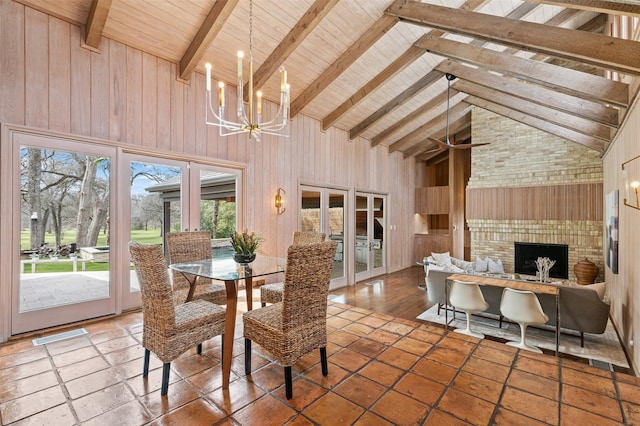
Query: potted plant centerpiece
[[245, 245]]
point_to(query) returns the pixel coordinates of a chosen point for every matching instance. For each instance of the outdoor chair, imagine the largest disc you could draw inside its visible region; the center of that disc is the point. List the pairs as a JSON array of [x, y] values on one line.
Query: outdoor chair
[[169, 330], [290, 329], [188, 247], [272, 293]]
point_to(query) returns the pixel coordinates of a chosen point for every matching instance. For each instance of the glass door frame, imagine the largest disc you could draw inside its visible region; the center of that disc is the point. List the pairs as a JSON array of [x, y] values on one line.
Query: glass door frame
[[371, 270]]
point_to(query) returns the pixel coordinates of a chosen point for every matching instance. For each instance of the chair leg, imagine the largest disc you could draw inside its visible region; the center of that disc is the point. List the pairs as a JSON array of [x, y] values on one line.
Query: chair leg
[[287, 382], [323, 361], [500, 323], [439, 306], [222, 348], [166, 368], [523, 333], [199, 348], [247, 356], [582, 339], [145, 368], [264, 304]]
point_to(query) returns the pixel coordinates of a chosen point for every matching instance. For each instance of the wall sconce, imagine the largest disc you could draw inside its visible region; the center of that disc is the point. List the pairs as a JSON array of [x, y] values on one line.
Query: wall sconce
[[631, 200], [279, 201]]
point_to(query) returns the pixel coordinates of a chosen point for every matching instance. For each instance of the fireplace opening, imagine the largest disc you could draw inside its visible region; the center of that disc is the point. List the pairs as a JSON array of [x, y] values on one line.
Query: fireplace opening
[[526, 255]]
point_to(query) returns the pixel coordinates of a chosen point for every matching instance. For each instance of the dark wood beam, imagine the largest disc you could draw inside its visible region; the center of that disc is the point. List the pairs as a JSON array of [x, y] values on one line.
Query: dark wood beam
[[96, 21], [594, 49], [602, 6], [570, 135], [217, 16], [373, 34], [566, 80], [311, 18]]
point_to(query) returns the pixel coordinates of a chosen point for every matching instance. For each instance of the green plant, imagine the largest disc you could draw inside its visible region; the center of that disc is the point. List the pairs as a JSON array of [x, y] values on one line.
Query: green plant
[[245, 243]]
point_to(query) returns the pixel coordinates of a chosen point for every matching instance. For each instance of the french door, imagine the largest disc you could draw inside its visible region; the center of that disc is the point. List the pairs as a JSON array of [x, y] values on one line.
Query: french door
[[324, 210], [370, 237]]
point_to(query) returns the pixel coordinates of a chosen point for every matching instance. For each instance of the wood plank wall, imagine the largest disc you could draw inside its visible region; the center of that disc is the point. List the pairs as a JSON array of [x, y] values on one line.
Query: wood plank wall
[[552, 202], [122, 94]]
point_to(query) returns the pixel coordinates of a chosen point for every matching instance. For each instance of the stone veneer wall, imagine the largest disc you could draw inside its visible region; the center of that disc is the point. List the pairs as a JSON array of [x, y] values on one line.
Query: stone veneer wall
[[521, 156]]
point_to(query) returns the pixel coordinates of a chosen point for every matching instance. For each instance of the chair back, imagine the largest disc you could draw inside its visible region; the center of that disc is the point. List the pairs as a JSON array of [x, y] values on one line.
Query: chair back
[[522, 306], [306, 284], [158, 311], [466, 295], [308, 237], [187, 247]]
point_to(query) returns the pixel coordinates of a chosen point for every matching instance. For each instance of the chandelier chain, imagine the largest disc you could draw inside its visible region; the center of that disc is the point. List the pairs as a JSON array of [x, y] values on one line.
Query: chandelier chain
[[250, 29]]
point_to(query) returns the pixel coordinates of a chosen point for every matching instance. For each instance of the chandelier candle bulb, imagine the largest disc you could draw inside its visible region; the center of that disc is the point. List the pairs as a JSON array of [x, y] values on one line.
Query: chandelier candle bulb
[[208, 68], [259, 106], [221, 94], [283, 79], [240, 56], [635, 185]]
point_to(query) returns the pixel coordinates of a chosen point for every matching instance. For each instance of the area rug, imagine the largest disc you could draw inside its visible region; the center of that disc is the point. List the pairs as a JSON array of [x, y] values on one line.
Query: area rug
[[597, 347]]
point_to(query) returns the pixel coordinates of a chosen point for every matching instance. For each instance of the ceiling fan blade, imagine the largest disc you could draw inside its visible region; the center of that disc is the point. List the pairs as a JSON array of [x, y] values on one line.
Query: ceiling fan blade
[[439, 143], [468, 145]]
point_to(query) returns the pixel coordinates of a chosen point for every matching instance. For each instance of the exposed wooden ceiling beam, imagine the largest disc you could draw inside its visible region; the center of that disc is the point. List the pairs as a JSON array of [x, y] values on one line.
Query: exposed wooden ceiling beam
[[392, 69], [433, 157], [580, 107], [210, 27], [569, 81], [454, 126], [96, 21], [545, 126], [594, 49], [535, 110], [411, 91], [311, 18], [373, 34], [455, 112], [602, 6], [424, 109]]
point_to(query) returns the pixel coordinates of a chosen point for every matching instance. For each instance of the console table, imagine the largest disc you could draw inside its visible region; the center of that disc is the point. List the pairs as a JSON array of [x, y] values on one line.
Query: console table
[[536, 287]]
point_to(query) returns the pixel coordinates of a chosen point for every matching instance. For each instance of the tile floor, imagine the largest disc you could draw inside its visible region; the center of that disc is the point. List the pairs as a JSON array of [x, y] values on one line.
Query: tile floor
[[382, 370]]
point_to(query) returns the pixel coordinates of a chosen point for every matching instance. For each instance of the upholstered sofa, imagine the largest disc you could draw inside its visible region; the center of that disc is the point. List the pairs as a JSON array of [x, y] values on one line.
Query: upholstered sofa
[[582, 307]]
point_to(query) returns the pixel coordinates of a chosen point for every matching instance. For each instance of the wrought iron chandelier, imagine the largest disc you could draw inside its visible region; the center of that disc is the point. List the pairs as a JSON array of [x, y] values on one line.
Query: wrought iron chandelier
[[249, 116]]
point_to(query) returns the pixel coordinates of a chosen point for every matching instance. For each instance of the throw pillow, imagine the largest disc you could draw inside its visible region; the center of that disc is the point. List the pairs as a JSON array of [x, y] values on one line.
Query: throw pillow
[[495, 267], [442, 258], [481, 264]]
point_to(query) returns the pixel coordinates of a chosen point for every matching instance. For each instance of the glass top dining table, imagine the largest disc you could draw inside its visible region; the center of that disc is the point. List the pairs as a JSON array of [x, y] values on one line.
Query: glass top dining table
[[228, 271]]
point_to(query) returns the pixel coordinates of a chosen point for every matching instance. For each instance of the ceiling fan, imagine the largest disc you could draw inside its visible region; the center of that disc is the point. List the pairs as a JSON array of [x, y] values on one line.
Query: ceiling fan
[[441, 146]]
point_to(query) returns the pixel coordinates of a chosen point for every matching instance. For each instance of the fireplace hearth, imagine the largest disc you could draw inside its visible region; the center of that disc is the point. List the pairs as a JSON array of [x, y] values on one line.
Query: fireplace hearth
[[526, 255]]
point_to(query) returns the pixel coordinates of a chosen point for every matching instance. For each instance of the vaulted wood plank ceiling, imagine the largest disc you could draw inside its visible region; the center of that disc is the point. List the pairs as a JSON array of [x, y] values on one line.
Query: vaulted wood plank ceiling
[[376, 68]]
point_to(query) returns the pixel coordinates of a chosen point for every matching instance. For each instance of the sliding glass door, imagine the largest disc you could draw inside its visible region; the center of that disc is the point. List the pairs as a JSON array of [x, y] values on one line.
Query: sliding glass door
[[370, 235]]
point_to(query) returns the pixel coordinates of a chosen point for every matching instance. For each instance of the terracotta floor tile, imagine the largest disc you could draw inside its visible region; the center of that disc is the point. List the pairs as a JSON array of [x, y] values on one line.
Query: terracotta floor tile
[[381, 373], [439, 418], [342, 338], [367, 347], [102, 401], [351, 315], [335, 376], [459, 342], [629, 392], [420, 388], [133, 368], [265, 408], [25, 370], [360, 390], [67, 345], [240, 393], [304, 393], [570, 416], [122, 356], [627, 378], [382, 316], [97, 327], [384, 337], [337, 322], [298, 421], [399, 409], [591, 402], [209, 380], [398, 358], [349, 360], [131, 413], [631, 413], [398, 328], [180, 393], [506, 417], [474, 410], [372, 321], [334, 309], [361, 310], [152, 383], [116, 344], [196, 413], [487, 369], [370, 419], [268, 377], [114, 333], [534, 384], [193, 364], [60, 415], [333, 409], [22, 357], [14, 347], [358, 329], [425, 336], [481, 387], [26, 386], [435, 371], [536, 366], [82, 368], [447, 356], [309, 360], [588, 381], [90, 383], [33, 403], [530, 405], [495, 355], [414, 346], [74, 356], [581, 366]]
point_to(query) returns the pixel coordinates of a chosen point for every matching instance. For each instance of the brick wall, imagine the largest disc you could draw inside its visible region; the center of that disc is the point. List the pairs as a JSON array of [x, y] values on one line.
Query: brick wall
[[521, 156]]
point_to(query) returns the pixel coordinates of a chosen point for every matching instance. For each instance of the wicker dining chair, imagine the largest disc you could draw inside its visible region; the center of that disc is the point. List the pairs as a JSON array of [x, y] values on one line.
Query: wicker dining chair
[[187, 247], [272, 293], [169, 330], [290, 329]]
